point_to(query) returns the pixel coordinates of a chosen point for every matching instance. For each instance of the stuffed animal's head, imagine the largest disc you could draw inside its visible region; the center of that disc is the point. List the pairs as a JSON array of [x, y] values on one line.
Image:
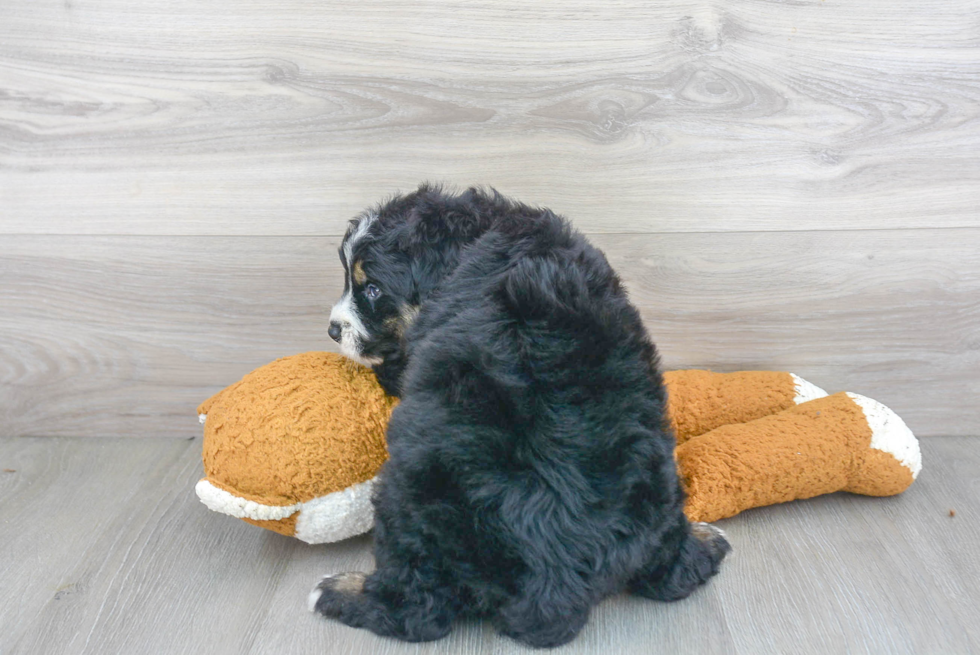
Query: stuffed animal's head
[[295, 445]]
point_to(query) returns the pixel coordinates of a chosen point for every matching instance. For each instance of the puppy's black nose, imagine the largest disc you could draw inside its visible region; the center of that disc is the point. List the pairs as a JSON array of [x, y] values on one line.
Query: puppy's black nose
[[334, 331]]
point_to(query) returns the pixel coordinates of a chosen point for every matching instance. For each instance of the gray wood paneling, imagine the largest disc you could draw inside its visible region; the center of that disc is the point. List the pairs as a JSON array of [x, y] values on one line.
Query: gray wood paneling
[[179, 117], [114, 336], [135, 564], [124, 336]]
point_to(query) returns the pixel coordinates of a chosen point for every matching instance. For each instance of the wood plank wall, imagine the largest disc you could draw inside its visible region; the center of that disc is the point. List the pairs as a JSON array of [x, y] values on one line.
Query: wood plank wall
[[788, 185]]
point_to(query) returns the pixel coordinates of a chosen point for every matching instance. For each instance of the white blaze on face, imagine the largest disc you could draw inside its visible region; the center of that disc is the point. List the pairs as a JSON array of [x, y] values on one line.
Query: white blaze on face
[[353, 332]]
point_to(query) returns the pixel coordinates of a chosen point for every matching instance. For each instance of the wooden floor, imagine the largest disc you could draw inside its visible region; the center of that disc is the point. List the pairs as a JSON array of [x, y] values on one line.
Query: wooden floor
[[104, 548]]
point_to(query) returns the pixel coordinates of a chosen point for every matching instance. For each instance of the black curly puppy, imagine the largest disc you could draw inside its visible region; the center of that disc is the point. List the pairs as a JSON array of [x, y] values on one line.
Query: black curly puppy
[[531, 471]]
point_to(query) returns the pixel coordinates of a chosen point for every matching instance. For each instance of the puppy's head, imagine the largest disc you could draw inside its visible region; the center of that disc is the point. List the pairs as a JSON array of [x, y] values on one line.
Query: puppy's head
[[379, 300], [394, 257]]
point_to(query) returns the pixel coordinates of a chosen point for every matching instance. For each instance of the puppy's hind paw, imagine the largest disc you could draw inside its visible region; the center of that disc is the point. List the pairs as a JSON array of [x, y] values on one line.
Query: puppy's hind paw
[[714, 539], [335, 591]]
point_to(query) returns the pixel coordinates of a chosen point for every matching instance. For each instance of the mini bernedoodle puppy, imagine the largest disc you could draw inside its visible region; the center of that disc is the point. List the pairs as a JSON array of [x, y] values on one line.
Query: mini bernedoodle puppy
[[531, 469]]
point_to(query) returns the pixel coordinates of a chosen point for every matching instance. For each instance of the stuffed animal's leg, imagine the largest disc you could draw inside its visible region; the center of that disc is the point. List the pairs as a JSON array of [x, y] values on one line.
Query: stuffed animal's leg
[[674, 575], [843, 442], [700, 401], [384, 603]]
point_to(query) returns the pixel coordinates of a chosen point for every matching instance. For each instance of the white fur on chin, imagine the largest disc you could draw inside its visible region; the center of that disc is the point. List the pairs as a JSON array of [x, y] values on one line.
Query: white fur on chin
[[360, 359]]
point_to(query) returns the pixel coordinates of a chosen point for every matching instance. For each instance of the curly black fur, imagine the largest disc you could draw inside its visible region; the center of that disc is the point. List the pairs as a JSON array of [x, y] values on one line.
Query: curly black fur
[[531, 471]]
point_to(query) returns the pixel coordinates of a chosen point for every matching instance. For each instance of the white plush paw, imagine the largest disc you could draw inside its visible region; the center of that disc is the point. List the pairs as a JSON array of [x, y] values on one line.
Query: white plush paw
[[806, 391], [890, 434]]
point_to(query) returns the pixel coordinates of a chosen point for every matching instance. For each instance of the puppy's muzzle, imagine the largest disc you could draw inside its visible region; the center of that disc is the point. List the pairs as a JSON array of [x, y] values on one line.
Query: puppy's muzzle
[[335, 331]]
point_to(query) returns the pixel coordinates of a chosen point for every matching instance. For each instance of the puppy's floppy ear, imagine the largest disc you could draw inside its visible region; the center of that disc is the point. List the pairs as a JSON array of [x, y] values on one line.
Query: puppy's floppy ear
[[436, 216], [428, 270], [432, 227]]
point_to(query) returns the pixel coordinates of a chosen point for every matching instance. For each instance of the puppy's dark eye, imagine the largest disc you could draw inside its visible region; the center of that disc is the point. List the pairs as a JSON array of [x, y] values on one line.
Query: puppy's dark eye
[[372, 292]]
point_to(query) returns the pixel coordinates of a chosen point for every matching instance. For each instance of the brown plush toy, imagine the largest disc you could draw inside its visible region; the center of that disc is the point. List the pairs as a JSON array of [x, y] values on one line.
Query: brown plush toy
[[295, 445]]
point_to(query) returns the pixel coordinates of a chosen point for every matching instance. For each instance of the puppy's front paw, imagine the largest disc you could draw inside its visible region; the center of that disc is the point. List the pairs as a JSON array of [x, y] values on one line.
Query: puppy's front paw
[[335, 592]]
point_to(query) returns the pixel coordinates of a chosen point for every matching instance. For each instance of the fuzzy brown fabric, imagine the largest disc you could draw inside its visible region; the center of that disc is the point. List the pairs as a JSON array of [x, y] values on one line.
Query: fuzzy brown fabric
[[811, 449], [700, 401], [298, 428], [312, 424]]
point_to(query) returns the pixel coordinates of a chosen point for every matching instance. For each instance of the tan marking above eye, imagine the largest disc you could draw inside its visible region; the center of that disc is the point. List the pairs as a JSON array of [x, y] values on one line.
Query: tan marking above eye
[[359, 275]]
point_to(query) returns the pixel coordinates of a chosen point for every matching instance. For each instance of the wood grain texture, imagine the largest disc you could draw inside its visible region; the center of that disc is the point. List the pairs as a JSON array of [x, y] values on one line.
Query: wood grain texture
[[124, 336], [104, 548], [284, 118]]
